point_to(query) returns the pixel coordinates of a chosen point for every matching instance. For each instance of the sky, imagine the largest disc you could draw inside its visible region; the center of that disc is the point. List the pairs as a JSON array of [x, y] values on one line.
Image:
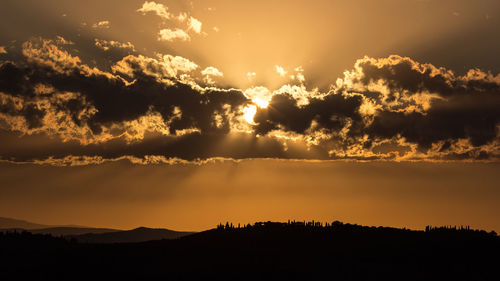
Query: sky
[[184, 114]]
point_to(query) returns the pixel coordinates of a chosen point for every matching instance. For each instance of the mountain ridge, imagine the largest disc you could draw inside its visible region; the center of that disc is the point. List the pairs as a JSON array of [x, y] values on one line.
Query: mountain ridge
[[92, 234], [139, 234], [17, 223], [11, 223]]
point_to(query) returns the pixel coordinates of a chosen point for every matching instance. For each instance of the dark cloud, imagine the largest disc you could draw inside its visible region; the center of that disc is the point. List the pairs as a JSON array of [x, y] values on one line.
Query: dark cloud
[[391, 108], [458, 107], [418, 103], [191, 147], [114, 100], [473, 116], [330, 112]]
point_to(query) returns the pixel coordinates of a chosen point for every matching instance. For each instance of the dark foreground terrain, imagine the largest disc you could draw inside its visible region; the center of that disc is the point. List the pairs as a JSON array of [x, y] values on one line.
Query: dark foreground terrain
[[264, 251]]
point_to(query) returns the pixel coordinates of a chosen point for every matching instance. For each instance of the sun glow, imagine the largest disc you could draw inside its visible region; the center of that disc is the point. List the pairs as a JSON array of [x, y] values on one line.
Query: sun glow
[[250, 110], [260, 96], [260, 102], [249, 113]]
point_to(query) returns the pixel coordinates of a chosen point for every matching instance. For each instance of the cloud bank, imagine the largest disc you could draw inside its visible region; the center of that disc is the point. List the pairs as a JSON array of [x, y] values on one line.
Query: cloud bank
[[56, 109]]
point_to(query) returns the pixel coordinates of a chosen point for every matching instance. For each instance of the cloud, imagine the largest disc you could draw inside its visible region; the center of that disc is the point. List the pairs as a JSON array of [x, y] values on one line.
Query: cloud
[[425, 104], [101, 24], [182, 17], [168, 34], [259, 95], [62, 41], [210, 73], [73, 161], [251, 76], [332, 112], [390, 108], [418, 106], [3, 50], [57, 95], [299, 75], [107, 45], [153, 7], [195, 25], [171, 35], [280, 70], [47, 53], [165, 69]]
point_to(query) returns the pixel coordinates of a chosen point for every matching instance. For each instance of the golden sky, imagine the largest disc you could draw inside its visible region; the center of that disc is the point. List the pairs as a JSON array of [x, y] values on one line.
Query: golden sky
[[187, 197], [139, 89]]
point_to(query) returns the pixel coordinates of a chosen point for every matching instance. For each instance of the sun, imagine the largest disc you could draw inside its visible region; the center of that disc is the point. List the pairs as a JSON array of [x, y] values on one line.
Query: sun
[[250, 110], [249, 113]]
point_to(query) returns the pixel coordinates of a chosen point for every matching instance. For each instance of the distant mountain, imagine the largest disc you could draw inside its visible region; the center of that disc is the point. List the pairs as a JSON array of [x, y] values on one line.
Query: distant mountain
[[68, 231], [7, 223], [90, 234], [140, 234]]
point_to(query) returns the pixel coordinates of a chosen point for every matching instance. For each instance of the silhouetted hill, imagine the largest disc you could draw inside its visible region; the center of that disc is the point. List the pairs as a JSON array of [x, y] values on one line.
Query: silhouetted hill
[[15, 224], [140, 234], [67, 231], [7, 223], [91, 234], [264, 251]]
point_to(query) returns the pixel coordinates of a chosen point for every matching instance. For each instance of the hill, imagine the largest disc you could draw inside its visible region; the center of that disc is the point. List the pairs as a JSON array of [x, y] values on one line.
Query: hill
[[6, 223], [264, 251], [140, 234], [91, 234], [69, 231]]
